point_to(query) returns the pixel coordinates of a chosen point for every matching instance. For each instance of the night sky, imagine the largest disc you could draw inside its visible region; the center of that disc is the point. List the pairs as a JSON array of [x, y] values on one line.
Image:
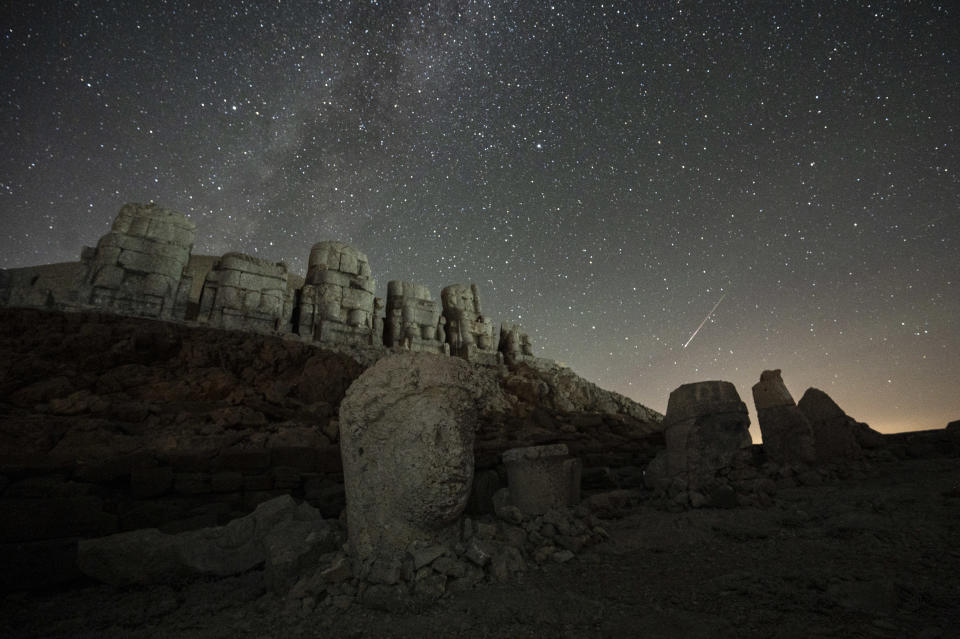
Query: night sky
[[606, 173]]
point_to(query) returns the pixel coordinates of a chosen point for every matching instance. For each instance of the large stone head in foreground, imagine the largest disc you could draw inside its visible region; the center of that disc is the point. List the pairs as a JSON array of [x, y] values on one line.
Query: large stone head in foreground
[[705, 427], [406, 437]]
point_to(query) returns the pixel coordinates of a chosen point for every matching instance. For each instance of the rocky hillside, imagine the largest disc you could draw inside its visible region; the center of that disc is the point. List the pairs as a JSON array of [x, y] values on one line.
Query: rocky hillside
[[110, 423]]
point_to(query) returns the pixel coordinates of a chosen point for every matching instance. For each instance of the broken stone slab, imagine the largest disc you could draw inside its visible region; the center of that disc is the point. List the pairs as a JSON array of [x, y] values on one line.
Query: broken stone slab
[[542, 477], [787, 434], [150, 556]]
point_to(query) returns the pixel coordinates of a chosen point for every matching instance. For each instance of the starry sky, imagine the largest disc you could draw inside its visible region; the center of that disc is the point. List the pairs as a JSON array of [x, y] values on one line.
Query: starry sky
[[606, 172]]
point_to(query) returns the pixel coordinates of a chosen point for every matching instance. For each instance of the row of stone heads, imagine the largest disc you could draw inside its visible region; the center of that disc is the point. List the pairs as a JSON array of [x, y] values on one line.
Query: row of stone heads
[[145, 264], [814, 430]]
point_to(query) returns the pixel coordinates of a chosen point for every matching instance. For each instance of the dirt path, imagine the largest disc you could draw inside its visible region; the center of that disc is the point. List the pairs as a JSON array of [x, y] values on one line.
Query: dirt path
[[874, 557]]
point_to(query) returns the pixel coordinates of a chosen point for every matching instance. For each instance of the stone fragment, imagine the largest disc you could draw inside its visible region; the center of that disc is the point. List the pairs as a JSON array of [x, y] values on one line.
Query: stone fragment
[[426, 556], [467, 330], [542, 477], [150, 556], [514, 343], [406, 438], [705, 428], [562, 556], [787, 434], [292, 547], [413, 318], [835, 433]]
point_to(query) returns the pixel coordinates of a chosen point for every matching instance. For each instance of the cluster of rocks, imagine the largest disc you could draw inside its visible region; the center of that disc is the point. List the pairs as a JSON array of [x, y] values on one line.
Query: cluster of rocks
[[144, 267], [709, 459], [487, 550], [407, 437]]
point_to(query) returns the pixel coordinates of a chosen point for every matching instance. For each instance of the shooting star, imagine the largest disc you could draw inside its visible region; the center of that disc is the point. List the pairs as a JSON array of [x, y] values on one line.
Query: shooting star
[[705, 319]]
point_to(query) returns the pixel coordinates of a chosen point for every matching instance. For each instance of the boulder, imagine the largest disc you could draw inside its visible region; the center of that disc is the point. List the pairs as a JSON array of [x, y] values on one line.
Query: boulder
[[787, 434]]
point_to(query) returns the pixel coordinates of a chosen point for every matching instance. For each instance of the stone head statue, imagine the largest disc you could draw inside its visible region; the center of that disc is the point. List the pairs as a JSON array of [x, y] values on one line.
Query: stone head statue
[[406, 439]]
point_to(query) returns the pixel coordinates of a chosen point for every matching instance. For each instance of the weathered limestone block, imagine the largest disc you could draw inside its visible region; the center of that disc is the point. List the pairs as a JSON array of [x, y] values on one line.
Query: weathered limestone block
[[406, 438], [787, 434], [243, 292], [467, 329], [836, 435], [138, 266], [337, 299], [413, 318], [542, 477], [705, 428], [150, 556]]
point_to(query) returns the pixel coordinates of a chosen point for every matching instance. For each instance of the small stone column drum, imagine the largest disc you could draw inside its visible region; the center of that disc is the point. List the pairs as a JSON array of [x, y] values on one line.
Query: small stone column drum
[[542, 477]]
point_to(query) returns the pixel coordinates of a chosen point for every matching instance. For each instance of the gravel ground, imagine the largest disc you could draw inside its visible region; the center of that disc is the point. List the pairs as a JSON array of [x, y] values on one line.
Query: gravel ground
[[877, 556]]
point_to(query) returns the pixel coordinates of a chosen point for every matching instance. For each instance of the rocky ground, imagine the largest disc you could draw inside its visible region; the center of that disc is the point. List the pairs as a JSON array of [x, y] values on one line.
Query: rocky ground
[[872, 555]]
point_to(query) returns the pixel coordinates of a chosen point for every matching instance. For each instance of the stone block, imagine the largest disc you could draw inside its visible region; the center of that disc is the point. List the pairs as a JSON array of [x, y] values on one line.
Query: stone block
[[150, 263], [150, 482], [244, 459], [109, 276], [334, 277], [303, 458], [159, 285], [54, 517], [348, 263], [191, 483], [258, 482], [542, 477], [226, 481]]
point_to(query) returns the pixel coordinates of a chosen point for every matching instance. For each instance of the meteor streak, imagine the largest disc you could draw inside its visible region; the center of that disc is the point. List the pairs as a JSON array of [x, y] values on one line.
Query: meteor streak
[[705, 319]]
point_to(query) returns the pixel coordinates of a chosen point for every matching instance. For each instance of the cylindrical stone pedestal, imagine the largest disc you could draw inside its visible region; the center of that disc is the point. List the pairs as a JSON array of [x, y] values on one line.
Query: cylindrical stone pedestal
[[542, 477]]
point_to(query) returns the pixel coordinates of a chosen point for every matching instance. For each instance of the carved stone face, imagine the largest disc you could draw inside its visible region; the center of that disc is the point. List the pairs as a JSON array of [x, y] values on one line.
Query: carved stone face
[[433, 464]]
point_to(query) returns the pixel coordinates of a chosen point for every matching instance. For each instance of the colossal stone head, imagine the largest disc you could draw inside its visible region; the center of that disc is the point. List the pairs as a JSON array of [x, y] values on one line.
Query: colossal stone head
[[406, 438]]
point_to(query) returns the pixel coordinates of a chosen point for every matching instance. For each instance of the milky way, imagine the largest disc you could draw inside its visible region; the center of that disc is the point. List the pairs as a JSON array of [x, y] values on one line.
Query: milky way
[[604, 172]]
